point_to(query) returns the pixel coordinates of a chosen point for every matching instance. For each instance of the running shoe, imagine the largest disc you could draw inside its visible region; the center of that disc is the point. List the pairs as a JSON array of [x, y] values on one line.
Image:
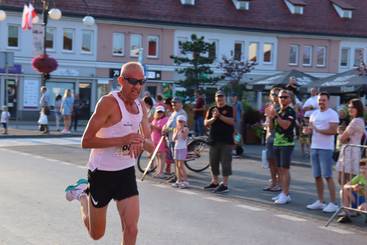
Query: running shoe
[[73, 192], [221, 189]]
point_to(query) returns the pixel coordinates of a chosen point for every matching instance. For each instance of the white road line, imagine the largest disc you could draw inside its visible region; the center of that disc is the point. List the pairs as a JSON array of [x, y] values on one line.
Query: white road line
[[188, 192], [291, 218], [216, 199], [250, 208], [161, 186], [337, 230]]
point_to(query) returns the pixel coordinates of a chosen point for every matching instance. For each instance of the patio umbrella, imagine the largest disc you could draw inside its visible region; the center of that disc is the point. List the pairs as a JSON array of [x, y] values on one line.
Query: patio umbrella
[[346, 82], [280, 80]]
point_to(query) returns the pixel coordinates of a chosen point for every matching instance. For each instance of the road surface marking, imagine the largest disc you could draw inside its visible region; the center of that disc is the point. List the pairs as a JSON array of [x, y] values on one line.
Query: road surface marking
[[337, 230], [188, 192], [289, 217], [216, 199], [250, 208], [161, 186]]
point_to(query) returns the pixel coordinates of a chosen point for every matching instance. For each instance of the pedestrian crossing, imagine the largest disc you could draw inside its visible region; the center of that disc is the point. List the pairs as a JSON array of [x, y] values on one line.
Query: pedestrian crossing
[[39, 141]]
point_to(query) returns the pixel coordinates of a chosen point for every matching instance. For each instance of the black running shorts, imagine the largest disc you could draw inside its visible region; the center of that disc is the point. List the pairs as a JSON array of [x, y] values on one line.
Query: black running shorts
[[107, 185]]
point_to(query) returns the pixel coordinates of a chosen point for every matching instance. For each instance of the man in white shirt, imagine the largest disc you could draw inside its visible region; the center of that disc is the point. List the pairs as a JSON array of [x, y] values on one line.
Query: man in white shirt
[[323, 125], [311, 104]]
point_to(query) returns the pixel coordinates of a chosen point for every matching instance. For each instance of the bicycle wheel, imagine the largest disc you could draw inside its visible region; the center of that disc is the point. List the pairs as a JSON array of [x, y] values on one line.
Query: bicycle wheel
[[195, 152], [143, 161]]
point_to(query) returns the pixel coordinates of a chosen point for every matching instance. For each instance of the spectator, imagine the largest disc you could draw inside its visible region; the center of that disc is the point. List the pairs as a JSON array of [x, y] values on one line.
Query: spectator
[[171, 124], [160, 101], [147, 94], [67, 110], [284, 122], [199, 110], [293, 87], [221, 122], [157, 124], [238, 110], [58, 101], [148, 101], [349, 158], [5, 115], [323, 125], [270, 156], [77, 110], [304, 138], [45, 106], [180, 135], [354, 194], [168, 106], [311, 103]]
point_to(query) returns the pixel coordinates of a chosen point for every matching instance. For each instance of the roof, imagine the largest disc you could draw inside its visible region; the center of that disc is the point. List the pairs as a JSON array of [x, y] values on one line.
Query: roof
[[319, 17], [297, 2], [343, 4]]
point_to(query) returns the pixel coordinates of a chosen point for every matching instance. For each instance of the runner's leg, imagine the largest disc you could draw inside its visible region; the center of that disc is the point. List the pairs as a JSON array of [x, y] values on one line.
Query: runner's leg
[[129, 214]]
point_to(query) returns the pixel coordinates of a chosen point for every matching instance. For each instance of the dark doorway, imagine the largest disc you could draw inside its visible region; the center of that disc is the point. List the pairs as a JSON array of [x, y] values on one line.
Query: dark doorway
[[85, 91]]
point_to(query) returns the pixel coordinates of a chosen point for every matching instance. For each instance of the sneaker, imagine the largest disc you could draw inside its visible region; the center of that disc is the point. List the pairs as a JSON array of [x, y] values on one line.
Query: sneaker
[[173, 179], [211, 186], [316, 205], [276, 197], [344, 219], [184, 185], [283, 199], [176, 184], [330, 208], [73, 192], [221, 189]]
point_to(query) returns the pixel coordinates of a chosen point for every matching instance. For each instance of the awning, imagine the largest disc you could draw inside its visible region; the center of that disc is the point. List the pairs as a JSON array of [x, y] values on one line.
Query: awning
[[280, 80]]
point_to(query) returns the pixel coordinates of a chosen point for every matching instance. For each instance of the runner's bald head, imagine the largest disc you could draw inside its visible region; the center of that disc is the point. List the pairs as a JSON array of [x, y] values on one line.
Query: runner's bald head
[[131, 68]]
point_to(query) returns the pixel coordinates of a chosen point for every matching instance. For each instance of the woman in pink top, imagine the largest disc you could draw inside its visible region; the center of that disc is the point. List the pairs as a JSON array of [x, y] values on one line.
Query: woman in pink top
[[158, 122]]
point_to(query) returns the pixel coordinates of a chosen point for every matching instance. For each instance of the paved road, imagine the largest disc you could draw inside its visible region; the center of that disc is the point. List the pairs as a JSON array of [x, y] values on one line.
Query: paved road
[[33, 174]]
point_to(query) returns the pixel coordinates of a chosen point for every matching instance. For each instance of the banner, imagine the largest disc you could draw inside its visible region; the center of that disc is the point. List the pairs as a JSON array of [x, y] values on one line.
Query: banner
[[37, 33], [31, 93]]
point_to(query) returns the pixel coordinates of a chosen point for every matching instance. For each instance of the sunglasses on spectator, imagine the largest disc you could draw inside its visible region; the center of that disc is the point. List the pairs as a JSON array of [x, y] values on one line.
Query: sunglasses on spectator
[[275, 95], [181, 121], [283, 97], [134, 81]]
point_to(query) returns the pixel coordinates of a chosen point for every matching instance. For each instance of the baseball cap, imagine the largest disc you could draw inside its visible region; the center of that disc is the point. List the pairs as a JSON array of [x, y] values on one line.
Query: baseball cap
[[181, 118], [160, 108], [176, 99], [219, 93]]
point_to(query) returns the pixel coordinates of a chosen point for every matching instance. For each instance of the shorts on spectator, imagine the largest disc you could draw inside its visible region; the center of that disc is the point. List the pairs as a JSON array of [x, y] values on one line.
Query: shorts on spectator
[[322, 163], [283, 155], [358, 200], [180, 154]]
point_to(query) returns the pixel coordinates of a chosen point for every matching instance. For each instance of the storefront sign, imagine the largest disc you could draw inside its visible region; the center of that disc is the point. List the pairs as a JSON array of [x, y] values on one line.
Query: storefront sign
[[15, 69], [114, 73], [31, 93], [154, 75]]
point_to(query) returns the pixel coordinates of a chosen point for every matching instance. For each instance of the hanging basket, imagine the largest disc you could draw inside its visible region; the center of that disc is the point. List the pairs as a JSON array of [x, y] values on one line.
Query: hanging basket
[[44, 64]]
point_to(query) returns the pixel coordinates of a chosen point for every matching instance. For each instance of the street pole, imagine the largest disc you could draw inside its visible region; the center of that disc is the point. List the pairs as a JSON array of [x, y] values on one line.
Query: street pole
[[44, 24]]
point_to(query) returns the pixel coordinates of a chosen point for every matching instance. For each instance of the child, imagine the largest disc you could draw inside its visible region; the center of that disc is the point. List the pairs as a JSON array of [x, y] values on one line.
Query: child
[[304, 138], [5, 115], [43, 121], [158, 122], [180, 135], [354, 194]]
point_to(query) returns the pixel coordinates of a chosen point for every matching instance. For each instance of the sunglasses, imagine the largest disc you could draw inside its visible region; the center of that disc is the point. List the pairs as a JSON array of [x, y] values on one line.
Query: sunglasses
[[275, 95], [283, 97], [134, 81], [159, 111], [181, 121]]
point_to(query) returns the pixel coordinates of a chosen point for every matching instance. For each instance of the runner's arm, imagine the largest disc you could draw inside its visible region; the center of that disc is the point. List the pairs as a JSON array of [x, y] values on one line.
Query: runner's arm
[[102, 113]]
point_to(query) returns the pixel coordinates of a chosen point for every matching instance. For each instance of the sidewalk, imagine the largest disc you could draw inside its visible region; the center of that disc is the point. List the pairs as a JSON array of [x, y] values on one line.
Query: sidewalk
[[27, 129]]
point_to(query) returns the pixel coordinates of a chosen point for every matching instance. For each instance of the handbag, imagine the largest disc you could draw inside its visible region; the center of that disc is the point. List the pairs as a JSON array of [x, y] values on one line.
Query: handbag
[[43, 119]]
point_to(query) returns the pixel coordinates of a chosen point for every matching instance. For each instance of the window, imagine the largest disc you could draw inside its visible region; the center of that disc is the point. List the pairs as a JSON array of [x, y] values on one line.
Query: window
[[321, 56], [213, 51], [87, 37], [68, 40], [50, 38], [293, 55], [307, 56], [252, 53], [358, 56], [268, 53], [135, 45], [180, 40], [344, 57], [153, 43], [118, 44], [13, 36], [238, 50]]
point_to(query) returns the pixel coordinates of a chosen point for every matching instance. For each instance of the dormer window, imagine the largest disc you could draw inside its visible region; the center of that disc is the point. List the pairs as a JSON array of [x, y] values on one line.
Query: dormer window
[[295, 6], [188, 2], [241, 4], [343, 9]]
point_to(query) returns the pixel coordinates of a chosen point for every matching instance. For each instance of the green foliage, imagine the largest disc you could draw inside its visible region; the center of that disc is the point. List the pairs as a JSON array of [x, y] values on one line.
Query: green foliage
[[195, 61]]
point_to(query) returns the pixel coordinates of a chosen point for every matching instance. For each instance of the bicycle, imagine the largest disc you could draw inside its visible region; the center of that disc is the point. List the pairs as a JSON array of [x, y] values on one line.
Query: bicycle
[[196, 147]]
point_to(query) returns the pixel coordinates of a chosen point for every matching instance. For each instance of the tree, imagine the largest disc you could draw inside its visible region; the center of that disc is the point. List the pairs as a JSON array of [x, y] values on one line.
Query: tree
[[195, 56], [233, 70]]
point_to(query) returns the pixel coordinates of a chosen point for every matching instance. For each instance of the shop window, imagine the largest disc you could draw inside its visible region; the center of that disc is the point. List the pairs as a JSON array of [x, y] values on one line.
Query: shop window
[[13, 36], [253, 52], [50, 38], [344, 57], [293, 55], [153, 44], [321, 56], [358, 56], [238, 50], [268, 53], [118, 44], [307, 56]]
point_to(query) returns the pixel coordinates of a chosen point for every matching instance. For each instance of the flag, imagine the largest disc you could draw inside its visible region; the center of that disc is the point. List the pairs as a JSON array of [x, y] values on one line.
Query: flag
[[29, 13]]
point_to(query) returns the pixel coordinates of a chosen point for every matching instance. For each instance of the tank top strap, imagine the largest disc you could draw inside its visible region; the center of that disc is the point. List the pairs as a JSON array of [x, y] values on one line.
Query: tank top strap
[[121, 104]]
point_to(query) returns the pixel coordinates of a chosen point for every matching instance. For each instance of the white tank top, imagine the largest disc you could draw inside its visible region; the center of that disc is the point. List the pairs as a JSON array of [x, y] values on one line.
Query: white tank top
[[116, 158]]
